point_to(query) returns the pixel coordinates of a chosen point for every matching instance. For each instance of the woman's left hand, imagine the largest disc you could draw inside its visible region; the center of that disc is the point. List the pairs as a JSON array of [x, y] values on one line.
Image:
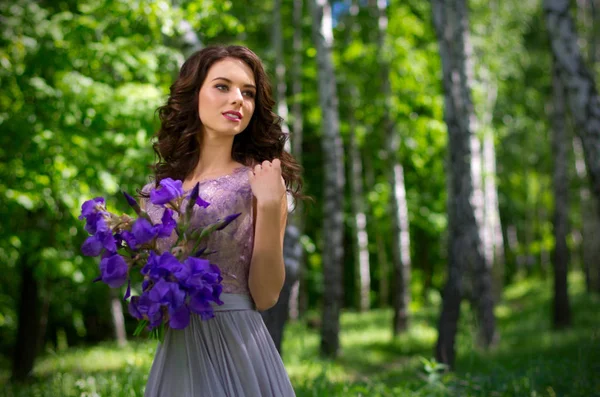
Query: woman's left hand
[[268, 186]]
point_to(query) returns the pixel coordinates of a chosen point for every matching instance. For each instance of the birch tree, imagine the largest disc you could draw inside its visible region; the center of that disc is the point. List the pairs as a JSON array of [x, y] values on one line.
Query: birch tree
[[333, 163], [465, 256], [398, 204], [276, 317], [360, 235], [579, 83]]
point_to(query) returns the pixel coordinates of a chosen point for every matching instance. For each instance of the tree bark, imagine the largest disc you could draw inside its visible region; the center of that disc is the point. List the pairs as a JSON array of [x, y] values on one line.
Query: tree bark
[[382, 257], [118, 319], [298, 295], [359, 231], [26, 346], [590, 234], [465, 245], [580, 85], [493, 241], [276, 317], [561, 308], [398, 205], [331, 143], [360, 234]]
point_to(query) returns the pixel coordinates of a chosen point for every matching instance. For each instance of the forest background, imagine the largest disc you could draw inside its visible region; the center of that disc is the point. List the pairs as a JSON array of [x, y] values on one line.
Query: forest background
[[452, 149]]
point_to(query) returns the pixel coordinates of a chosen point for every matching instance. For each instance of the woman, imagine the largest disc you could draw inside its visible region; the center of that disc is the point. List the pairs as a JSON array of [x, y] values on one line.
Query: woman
[[218, 130]]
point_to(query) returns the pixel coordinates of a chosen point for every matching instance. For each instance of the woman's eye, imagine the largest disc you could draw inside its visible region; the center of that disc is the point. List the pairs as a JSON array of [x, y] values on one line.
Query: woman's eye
[[249, 94], [221, 87]]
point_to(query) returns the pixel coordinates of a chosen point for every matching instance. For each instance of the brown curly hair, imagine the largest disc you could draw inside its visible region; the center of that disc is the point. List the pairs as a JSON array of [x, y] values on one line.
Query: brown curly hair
[[178, 142]]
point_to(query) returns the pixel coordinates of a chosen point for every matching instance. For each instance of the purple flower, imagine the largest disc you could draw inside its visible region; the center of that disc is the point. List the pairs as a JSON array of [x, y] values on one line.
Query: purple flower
[[132, 203], [129, 238], [168, 224], [179, 318], [144, 307], [200, 305], [158, 267], [143, 231], [134, 309], [196, 269], [168, 294], [146, 283], [95, 222], [113, 270], [202, 203], [92, 246], [102, 238], [91, 207], [93, 211], [169, 190], [228, 219]]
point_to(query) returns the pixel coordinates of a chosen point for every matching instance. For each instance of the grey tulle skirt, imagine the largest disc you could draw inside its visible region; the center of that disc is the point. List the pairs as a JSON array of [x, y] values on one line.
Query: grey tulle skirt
[[230, 355]]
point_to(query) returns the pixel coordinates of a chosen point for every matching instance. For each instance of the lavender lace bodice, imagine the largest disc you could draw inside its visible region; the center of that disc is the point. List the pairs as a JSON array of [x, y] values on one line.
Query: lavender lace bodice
[[231, 247]]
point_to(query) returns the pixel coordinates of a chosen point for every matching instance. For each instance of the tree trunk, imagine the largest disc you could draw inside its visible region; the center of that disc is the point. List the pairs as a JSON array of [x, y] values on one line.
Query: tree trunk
[[382, 258], [590, 224], [276, 317], [26, 346], [398, 205], [465, 245], [493, 241], [331, 141], [579, 83], [118, 320], [298, 295], [361, 238], [359, 233], [561, 308]]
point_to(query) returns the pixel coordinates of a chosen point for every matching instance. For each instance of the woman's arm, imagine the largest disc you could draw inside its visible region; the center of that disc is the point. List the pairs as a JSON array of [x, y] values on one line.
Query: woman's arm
[[267, 269]]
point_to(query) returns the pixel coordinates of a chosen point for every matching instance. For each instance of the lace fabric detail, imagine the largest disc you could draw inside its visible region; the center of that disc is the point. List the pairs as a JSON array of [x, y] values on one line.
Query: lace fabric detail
[[230, 248]]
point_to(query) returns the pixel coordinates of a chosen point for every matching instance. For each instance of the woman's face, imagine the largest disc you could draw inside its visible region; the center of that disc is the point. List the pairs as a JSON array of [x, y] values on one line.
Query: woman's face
[[226, 98]]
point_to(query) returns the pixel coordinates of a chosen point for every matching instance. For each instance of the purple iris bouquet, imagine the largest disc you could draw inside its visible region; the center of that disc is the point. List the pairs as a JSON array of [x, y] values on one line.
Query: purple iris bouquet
[[175, 282]]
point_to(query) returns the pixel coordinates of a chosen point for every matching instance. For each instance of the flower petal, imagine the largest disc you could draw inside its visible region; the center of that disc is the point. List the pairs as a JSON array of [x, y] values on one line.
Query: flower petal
[[179, 318], [92, 246], [169, 189], [114, 270]]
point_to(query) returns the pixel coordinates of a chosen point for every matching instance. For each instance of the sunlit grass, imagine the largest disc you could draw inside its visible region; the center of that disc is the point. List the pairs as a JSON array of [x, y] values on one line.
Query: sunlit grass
[[531, 359]]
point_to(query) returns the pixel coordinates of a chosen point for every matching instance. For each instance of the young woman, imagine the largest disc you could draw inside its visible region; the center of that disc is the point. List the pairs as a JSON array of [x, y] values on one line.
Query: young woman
[[218, 129]]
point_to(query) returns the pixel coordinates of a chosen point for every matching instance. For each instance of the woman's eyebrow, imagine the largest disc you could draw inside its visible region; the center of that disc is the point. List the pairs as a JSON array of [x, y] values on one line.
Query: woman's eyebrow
[[229, 81]]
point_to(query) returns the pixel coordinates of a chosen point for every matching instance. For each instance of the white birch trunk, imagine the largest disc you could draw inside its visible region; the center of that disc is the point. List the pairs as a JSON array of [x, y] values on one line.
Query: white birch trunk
[[276, 317], [582, 96], [331, 141], [382, 257], [360, 235], [398, 206], [118, 319], [465, 246]]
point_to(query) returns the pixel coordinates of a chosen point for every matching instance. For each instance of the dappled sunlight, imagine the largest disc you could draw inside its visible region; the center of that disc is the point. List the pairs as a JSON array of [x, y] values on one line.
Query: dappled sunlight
[[106, 357]]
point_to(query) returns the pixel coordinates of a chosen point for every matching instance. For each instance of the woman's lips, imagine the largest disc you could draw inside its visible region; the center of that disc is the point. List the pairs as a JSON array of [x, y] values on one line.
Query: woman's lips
[[233, 116]]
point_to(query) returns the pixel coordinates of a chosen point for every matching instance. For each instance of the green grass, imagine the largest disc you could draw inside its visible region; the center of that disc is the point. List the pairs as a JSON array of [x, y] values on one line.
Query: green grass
[[530, 359]]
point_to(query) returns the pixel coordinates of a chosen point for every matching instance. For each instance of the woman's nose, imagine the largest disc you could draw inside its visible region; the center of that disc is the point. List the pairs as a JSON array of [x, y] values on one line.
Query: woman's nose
[[236, 95]]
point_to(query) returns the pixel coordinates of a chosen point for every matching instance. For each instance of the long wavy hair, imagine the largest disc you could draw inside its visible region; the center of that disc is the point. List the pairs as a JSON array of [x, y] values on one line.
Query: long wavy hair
[[178, 141]]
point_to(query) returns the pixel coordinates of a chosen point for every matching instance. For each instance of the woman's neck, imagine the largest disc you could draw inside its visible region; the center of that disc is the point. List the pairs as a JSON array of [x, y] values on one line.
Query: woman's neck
[[214, 160]]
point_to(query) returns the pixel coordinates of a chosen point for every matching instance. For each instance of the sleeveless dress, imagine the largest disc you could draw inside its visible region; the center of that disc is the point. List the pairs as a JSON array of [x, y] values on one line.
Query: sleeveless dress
[[232, 354]]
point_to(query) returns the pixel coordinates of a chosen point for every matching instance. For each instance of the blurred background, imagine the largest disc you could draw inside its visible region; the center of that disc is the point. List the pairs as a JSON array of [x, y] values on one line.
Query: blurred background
[[451, 148]]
